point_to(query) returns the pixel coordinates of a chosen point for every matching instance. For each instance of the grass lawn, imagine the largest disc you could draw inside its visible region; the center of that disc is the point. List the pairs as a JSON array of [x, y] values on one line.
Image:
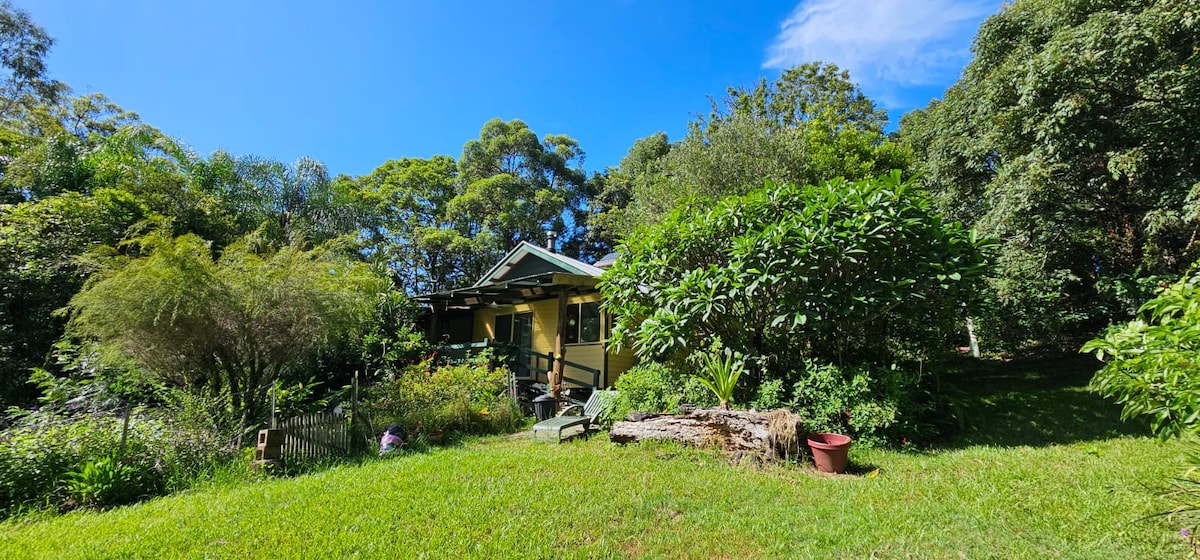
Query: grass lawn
[[1045, 471]]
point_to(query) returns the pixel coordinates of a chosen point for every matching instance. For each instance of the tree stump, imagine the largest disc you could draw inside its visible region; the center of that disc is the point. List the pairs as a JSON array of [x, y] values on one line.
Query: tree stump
[[773, 435]]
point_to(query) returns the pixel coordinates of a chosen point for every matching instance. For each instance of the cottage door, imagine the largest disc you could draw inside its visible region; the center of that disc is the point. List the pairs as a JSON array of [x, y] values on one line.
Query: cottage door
[[522, 335]]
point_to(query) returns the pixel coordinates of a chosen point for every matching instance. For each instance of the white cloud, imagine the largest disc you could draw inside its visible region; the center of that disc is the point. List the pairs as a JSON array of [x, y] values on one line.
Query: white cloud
[[885, 44]]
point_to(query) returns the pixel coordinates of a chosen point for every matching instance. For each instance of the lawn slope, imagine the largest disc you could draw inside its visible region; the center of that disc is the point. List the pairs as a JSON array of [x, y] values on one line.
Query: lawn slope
[[1073, 491]]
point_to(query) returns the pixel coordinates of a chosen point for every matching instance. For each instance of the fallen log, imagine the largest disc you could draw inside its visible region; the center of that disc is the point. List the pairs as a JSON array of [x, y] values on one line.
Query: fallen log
[[772, 435]]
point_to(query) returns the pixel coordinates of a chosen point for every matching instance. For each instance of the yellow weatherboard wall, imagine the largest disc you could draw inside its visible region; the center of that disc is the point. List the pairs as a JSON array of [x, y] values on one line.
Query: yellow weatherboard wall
[[545, 327]]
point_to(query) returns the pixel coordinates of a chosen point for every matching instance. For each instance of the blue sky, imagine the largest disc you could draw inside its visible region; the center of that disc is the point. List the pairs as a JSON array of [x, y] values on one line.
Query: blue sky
[[356, 83]]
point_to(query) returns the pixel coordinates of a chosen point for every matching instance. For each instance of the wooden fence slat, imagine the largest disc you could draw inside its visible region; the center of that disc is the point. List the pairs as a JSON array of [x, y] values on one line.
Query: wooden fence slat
[[315, 435]]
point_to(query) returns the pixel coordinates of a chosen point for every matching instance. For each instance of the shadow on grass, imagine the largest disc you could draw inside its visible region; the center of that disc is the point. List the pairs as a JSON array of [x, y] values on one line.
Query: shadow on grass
[[855, 468], [1036, 403]]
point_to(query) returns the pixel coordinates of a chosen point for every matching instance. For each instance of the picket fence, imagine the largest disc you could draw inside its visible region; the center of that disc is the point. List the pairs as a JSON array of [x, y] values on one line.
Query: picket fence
[[313, 436]]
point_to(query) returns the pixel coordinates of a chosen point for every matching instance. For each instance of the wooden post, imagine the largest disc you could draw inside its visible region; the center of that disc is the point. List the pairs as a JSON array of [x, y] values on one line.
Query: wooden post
[[353, 429], [433, 323], [972, 342], [560, 349], [124, 434], [604, 319]]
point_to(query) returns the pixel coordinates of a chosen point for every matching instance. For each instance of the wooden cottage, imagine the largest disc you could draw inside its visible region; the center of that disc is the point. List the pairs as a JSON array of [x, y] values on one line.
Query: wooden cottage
[[541, 305]]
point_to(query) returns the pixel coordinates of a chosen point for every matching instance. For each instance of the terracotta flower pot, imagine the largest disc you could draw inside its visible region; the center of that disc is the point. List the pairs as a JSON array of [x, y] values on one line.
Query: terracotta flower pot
[[830, 452]]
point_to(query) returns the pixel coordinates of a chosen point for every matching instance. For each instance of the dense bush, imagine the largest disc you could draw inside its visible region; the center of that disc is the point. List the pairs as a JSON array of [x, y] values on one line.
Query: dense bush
[[1150, 362], [52, 459], [654, 387], [847, 272], [841, 285], [467, 398], [831, 399]]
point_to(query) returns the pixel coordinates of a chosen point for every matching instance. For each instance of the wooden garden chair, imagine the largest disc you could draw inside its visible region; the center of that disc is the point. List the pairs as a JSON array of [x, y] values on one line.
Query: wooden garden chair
[[575, 415]]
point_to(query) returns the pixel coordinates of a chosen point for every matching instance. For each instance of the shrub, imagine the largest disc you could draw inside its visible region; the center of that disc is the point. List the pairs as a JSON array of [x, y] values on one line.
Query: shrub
[[103, 481], [845, 272], [876, 405], [769, 395], [831, 399], [465, 398], [41, 451], [655, 387], [1150, 362], [720, 373]]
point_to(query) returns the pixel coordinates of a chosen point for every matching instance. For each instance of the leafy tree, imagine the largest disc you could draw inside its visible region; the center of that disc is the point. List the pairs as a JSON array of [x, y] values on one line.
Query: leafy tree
[[1150, 362], [233, 324], [1073, 138], [515, 186], [810, 125], [844, 272], [409, 226], [40, 268], [440, 225], [23, 49], [833, 293]]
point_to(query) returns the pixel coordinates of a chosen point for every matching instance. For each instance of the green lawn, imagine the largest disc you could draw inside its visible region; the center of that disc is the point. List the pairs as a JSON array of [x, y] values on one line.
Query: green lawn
[[1046, 471]]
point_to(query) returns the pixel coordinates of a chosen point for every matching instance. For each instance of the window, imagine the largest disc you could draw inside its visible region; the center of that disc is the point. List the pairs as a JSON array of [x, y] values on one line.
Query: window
[[514, 328], [503, 328], [583, 322]]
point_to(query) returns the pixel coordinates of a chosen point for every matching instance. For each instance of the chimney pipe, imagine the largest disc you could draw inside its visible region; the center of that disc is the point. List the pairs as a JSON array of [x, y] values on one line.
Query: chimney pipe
[[550, 237]]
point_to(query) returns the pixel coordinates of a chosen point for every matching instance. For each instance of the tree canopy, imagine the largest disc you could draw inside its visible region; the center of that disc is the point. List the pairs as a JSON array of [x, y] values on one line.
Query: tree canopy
[[1073, 137], [810, 125], [232, 324], [842, 271]]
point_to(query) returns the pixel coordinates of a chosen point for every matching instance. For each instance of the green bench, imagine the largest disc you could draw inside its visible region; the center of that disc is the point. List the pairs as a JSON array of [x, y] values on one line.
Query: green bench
[[596, 406]]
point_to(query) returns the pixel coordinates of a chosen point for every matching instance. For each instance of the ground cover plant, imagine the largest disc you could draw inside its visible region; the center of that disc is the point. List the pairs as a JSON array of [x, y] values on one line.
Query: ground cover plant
[[1046, 469]]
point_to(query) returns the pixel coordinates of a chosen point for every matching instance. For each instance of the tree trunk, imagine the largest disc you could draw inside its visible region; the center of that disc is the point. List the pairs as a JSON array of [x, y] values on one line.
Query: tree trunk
[[772, 435], [560, 350]]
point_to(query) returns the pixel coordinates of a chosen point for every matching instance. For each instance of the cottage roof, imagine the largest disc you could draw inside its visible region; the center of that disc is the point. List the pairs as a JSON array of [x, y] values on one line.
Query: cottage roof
[[528, 272], [528, 259]]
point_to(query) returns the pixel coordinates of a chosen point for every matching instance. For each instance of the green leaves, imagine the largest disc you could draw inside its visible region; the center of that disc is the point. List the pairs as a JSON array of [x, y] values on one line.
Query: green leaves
[[810, 125], [1071, 138], [1151, 361], [233, 324], [796, 271], [720, 371]]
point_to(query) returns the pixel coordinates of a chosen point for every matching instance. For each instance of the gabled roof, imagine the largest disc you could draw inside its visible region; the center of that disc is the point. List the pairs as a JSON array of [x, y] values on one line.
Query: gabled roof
[[527, 259]]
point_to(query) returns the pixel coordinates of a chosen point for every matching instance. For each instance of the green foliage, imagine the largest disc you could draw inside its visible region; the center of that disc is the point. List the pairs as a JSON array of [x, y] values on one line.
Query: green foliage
[[409, 227], [24, 78], [235, 324], [1071, 137], [164, 452], [394, 340], [102, 482], [790, 272], [466, 398], [720, 372], [40, 268], [852, 401], [810, 125], [1150, 362], [655, 387], [83, 381], [795, 276], [769, 395]]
